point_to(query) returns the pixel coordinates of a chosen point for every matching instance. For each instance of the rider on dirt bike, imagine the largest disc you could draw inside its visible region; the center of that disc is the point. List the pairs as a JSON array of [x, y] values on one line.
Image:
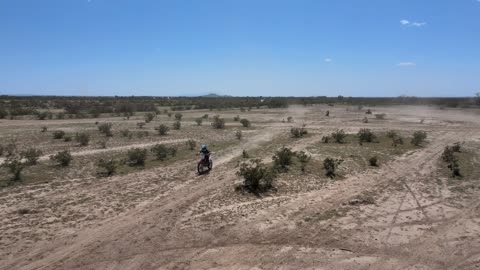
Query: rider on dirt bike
[[205, 151]]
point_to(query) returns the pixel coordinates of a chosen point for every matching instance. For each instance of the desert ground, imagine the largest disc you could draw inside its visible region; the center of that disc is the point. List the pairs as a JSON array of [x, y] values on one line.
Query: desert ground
[[408, 212]]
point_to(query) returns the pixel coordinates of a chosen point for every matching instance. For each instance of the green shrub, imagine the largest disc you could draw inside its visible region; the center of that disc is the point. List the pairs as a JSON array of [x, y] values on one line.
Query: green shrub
[[238, 134], [58, 134], [397, 141], [419, 137], [365, 135], [289, 119], [325, 139], [169, 115], [62, 158], [177, 125], [257, 177], [136, 157], [298, 132], [218, 122], [102, 144], [283, 158], [303, 158], [140, 125], [456, 147], [236, 118], [105, 129], [44, 129], [452, 161], [163, 129], [11, 148], [245, 122], [392, 134], [191, 144], [32, 155], [107, 167], [67, 138], [149, 117], [15, 167], [245, 154], [330, 165], [178, 116], [125, 132], [199, 121], [339, 136], [373, 161], [162, 151], [205, 116], [82, 138]]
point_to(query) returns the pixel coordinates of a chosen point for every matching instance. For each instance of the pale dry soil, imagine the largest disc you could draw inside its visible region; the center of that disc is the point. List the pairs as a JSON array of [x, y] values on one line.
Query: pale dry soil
[[408, 213]]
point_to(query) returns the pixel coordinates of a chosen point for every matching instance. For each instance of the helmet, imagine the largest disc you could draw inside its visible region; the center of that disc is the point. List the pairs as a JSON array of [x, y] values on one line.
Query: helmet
[[204, 147]]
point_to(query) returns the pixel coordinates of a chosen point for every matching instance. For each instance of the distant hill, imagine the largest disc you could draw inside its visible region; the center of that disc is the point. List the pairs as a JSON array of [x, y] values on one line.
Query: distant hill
[[215, 95]]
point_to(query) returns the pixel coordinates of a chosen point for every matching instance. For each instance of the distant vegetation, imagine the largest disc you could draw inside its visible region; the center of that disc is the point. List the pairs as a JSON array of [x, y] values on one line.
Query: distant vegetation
[[47, 107]]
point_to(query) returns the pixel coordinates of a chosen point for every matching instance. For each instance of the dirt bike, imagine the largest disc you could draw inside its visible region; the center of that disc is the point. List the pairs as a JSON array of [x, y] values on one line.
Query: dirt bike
[[204, 165]]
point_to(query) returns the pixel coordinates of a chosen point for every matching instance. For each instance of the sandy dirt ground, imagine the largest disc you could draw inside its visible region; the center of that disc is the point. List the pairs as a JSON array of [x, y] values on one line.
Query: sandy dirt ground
[[168, 217]]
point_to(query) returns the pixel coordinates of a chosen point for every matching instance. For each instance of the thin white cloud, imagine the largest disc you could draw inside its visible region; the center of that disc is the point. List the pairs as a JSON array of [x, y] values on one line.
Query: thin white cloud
[[328, 60], [416, 24], [406, 64]]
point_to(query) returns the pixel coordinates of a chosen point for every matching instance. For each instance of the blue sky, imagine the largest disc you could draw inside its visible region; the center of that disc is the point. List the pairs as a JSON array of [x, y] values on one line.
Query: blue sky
[[240, 47]]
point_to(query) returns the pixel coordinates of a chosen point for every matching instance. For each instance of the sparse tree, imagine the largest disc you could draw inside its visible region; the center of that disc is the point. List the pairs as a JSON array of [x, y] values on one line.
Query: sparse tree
[[107, 167], [330, 165], [218, 123], [149, 117], [298, 132], [62, 158], [257, 177], [82, 138], [365, 135], [31, 155], [245, 122], [303, 158], [163, 129], [283, 158], [106, 129], [136, 157], [161, 151], [419, 137], [177, 125], [339, 136]]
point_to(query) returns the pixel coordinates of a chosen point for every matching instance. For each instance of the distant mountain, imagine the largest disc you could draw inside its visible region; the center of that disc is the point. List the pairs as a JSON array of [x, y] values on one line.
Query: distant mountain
[[215, 95]]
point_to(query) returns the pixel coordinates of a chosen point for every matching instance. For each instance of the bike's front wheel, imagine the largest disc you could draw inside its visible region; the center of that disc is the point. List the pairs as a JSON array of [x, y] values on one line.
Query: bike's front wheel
[[200, 168]]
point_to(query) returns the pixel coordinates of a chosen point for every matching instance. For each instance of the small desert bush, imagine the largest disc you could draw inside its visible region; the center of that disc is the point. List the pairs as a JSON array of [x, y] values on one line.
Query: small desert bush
[[82, 138], [162, 151], [62, 158], [238, 134], [125, 132], [418, 138], [32, 155], [380, 116], [365, 120], [191, 144], [163, 129], [391, 134], [245, 154], [257, 177], [397, 140], [289, 119], [1, 150], [245, 122], [107, 167], [325, 139], [44, 129], [102, 144], [149, 117], [330, 165], [236, 118], [15, 167], [452, 161], [199, 121], [339, 136], [178, 116], [368, 111], [365, 135], [456, 147], [10, 149], [283, 158], [205, 116], [373, 161], [169, 115], [218, 123], [298, 132], [177, 125], [140, 125], [58, 134], [105, 129], [303, 158], [67, 138], [136, 157]]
